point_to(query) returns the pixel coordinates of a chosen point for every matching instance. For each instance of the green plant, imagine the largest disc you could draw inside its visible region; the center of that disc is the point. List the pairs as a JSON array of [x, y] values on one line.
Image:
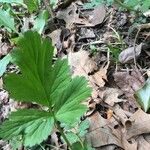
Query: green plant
[[143, 96], [50, 85], [95, 3], [141, 5]]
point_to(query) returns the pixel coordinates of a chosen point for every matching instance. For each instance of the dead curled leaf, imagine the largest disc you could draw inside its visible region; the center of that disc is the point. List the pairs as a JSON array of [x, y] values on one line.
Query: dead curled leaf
[[71, 16], [127, 55], [99, 133], [119, 112], [55, 36], [97, 16], [129, 82], [140, 124], [83, 65], [102, 132], [142, 143], [111, 95]]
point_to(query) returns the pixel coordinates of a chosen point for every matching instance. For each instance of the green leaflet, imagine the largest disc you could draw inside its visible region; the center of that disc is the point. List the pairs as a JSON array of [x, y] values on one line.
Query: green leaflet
[[33, 57], [32, 5], [69, 104], [3, 64], [34, 126], [44, 83], [9, 22], [40, 21], [143, 96]]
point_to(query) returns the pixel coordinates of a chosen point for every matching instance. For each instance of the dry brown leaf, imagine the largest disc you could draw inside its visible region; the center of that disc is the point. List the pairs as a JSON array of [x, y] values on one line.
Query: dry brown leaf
[[122, 117], [71, 16], [55, 36], [99, 133], [81, 63], [126, 144], [86, 34], [142, 143], [129, 83], [147, 137], [127, 55], [99, 77], [140, 124], [110, 96], [97, 15]]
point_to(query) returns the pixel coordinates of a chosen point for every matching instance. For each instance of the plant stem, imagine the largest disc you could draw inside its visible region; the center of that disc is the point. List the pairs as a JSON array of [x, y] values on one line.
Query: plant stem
[[62, 132]]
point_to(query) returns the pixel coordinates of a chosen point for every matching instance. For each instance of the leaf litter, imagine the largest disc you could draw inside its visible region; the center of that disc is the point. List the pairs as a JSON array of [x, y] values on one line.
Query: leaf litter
[[116, 119]]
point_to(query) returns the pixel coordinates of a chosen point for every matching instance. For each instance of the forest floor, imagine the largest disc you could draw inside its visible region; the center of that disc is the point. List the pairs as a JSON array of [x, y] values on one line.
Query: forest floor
[[111, 49]]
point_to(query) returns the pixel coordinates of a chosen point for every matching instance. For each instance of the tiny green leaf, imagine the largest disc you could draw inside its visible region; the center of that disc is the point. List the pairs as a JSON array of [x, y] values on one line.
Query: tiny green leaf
[[143, 96], [33, 125], [53, 3], [40, 21], [3, 63], [9, 22], [32, 5]]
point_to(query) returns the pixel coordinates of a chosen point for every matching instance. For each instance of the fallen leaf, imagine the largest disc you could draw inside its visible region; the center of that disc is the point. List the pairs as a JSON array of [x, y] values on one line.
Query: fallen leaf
[[126, 144], [143, 96], [122, 117], [99, 133], [86, 34], [147, 137], [111, 95], [127, 55], [55, 36], [71, 16], [97, 16], [99, 77], [128, 82], [142, 143], [140, 124], [3, 64], [81, 63]]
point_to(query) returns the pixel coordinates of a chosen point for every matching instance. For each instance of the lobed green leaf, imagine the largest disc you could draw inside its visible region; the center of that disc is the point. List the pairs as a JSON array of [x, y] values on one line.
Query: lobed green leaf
[[33, 125], [44, 83]]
